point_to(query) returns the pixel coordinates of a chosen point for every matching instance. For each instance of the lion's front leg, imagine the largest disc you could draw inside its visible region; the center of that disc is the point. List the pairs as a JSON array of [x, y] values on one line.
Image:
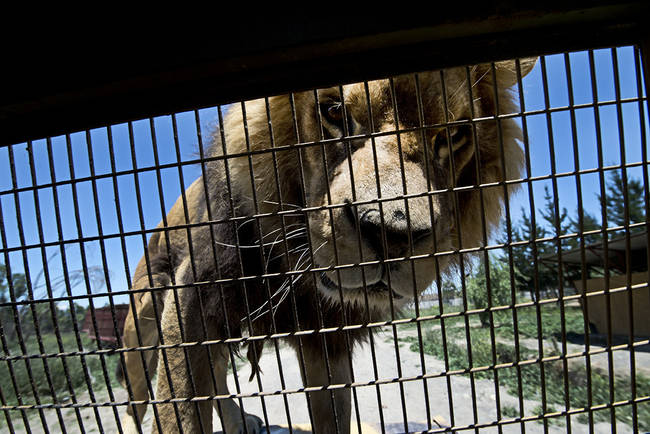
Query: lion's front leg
[[325, 417], [183, 372], [135, 363], [230, 413]]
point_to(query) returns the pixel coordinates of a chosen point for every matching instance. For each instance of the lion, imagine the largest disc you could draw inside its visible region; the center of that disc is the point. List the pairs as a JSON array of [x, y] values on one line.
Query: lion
[[315, 210]]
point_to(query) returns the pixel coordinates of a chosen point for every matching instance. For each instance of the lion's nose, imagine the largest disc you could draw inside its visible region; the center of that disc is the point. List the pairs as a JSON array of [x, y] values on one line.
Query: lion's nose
[[373, 228]]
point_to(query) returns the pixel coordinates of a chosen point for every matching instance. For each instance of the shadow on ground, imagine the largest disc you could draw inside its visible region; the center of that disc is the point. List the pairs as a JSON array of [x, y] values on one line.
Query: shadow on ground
[[600, 340]]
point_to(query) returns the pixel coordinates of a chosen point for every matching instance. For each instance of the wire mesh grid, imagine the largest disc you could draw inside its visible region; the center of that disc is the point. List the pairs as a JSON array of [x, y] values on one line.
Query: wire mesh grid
[[475, 237]]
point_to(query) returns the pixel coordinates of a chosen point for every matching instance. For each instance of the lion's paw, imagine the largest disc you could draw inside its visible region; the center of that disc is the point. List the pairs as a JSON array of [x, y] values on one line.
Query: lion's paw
[[253, 425], [129, 425]]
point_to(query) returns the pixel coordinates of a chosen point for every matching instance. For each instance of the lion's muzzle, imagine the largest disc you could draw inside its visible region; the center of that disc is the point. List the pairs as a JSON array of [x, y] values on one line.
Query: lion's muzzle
[[388, 231]]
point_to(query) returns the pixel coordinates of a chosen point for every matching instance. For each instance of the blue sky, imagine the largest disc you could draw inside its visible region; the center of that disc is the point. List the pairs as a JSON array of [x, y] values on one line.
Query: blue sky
[[538, 133]]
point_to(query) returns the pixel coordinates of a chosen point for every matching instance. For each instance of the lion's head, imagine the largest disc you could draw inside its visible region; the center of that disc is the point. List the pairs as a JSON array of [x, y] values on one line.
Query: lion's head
[[374, 185]]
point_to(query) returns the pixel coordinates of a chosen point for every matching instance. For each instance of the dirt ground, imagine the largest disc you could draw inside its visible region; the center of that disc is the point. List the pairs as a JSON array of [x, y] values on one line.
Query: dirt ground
[[403, 405]]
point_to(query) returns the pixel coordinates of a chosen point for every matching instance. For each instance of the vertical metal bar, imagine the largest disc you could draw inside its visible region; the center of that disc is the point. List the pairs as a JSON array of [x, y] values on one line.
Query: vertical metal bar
[[558, 230], [486, 256], [461, 262], [261, 250], [3, 401], [206, 192], [644, 149], [434, 248], [346, 144], [30, 293], [190, 250], [82, 254], [262, 236], [644, 52], [581, 228], [244, 288], [68, 286], [411, 262], [5, 345], [337, 261], [157, 315], [46, 275], [605, 235], [132, 306], [371, 340], [427, 169], [100, 233], [303, 190], [388, 275], [511, 266], [533, 244], [628, 247]]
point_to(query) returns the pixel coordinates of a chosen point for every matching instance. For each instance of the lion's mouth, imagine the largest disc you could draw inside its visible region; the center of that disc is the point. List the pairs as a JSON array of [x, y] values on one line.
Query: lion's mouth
[[378, 288]]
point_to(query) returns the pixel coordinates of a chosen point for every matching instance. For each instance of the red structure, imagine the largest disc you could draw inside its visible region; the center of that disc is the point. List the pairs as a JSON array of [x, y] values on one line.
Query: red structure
[[105, 324]]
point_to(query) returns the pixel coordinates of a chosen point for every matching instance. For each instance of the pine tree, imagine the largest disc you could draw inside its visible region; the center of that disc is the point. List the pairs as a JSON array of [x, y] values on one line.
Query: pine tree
[[560, 224], [589, 223], [19, 289], [615, 200], [530, 274], [499, 284]]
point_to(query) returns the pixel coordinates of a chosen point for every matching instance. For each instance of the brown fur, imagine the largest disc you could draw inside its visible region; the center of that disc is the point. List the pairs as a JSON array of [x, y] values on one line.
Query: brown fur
[[294, 177]]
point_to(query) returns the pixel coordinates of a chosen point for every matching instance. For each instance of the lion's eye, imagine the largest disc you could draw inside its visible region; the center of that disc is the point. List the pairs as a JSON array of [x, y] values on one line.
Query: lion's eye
[[457, 137], [332, 112], [335, 112], [442, 138]]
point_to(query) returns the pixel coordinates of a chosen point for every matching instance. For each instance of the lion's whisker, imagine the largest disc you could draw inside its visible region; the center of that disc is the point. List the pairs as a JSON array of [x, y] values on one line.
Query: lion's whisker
[[454, 94], [245, 222], [268, 256], [284, 288], [293, 250], [253, 246], [283, 284], [280, 229], [272, 202], [294, 234], [283, 203], [287, 236]]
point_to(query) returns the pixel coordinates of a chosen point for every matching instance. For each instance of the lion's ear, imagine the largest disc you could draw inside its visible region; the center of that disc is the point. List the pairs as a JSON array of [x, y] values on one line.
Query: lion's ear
[[506, 71]]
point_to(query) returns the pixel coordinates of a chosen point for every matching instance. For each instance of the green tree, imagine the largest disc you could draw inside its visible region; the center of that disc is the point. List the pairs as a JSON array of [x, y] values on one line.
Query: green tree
[[589, 223], [530, 275], [18, 289], [48, 315], [615, 200], [449, 290], [559, 222], [489, 289], [17, 282]]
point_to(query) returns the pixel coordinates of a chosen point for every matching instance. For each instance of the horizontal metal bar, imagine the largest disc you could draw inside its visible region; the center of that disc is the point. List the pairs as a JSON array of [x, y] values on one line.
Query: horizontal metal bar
[[300, 145], [371, 325], [319, 388], [322, 269], [306, 210]]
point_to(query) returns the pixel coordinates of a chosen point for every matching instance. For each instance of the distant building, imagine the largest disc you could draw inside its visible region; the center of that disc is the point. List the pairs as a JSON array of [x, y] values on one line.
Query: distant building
[[106, 325]]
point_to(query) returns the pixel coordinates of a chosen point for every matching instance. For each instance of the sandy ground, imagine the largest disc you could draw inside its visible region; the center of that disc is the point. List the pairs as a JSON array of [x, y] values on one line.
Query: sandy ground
[[392, 408]]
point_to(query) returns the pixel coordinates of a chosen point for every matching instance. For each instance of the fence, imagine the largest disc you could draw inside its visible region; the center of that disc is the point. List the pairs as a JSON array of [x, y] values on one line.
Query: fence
[[513, 194]]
